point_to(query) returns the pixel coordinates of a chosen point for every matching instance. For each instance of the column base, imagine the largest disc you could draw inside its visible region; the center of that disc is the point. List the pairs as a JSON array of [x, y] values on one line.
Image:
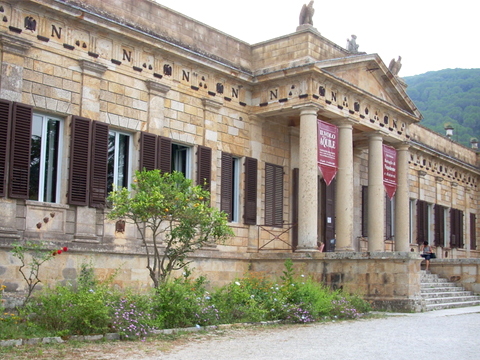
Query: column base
[[306, 250]]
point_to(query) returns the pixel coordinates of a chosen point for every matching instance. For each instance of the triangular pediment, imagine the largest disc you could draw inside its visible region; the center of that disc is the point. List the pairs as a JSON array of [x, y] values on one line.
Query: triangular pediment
[[369, 74]]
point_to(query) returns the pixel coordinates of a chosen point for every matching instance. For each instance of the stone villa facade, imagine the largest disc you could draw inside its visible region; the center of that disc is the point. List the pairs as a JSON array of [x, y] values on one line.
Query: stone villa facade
[[91, 91]]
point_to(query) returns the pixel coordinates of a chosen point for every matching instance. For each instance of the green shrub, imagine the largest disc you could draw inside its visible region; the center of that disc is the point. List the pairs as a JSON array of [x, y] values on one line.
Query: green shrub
[[69, 310], [179, 303]]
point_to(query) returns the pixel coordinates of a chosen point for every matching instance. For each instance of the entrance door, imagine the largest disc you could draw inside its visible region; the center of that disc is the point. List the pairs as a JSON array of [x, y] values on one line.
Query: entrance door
[[327, 214]]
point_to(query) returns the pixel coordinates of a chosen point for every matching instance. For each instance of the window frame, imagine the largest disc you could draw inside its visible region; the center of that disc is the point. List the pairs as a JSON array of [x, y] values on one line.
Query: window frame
[[42, 165], [117, 134]]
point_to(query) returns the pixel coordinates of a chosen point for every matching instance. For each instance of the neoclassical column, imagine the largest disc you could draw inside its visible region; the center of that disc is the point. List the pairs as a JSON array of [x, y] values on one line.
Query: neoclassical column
[[12, 64], [376, 194], [156, 106], [92, 77], [308, 181], [344, 191], [402, 201]]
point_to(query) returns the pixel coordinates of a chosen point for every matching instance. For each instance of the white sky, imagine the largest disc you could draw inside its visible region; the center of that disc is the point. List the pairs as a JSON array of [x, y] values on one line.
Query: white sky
[[428, 35]]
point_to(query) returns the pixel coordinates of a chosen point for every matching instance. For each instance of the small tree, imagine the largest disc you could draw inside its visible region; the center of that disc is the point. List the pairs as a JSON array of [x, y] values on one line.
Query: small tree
[[39, 254], [168, 212]]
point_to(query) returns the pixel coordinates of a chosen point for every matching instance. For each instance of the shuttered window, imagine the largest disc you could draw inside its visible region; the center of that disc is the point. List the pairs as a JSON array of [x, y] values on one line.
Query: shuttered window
[[365, 211], [295, 190], [148, 151], [204, 167], [164, 154], [473, 232], [422, 221], [99, 166], [78, 191], [439, 225], [227, 185], [20, 151], [389, 218], [250, 201], [273, 195], [456, 228], [5, 121]]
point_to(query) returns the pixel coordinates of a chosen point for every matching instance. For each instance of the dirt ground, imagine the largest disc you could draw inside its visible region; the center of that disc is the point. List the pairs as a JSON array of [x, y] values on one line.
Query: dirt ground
[[164, 344]]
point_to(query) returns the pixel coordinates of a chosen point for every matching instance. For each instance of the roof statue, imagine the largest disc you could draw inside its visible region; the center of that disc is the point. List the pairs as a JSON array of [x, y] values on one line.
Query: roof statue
[[352, 45], [395, 66], [306, 14]]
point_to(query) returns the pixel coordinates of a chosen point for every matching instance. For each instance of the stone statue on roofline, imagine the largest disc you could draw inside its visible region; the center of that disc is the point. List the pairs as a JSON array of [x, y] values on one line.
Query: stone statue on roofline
[[306, 14], [395, 65], [352, 45]]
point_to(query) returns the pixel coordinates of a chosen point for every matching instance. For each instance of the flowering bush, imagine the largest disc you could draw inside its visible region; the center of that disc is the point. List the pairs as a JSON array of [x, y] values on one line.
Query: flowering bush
[[129, 321], [343, 309]]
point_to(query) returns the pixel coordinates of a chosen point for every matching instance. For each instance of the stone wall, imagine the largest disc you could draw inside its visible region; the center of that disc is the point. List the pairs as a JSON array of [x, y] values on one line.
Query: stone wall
[[465, 272], [391, 281]]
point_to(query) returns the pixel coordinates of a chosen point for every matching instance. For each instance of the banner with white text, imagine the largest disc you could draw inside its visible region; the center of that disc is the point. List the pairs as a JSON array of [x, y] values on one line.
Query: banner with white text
[[390, 170], [327, 150]]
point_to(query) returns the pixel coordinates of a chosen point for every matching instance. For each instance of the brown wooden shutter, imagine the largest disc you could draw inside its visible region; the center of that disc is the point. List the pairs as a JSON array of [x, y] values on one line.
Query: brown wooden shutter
[[5, 121], [295, 187], [388, 217], [273, 195], [365, 211], [439, 225], [226, 196], [250, 204], [473, 232], [279, 196], [80, 152], [204, 167], [98, 180], [460, 229], [269, 194], [20, 151], [456, 228], [422, 221], [148, 151], [164, 154]]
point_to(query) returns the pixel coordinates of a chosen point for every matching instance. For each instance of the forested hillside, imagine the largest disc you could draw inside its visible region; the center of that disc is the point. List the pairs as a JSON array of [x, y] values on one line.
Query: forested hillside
[[450, 96]]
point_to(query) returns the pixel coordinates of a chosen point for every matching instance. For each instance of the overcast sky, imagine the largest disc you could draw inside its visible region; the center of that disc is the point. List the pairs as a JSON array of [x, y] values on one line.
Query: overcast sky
[[428, 35]]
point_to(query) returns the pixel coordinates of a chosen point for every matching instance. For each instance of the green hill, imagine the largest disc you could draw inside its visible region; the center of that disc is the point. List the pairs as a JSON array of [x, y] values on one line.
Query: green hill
[[450, 96]]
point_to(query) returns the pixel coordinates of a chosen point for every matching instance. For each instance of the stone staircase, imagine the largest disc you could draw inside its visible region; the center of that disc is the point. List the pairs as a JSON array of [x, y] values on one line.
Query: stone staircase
[[438, 293]]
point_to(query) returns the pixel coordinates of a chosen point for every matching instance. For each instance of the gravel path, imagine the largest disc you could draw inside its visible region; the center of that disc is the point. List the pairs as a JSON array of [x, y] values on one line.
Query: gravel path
[[446, 334]]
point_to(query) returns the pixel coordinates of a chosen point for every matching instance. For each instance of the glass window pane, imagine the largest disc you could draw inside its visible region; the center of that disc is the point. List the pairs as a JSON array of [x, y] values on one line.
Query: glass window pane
[[51, 160]]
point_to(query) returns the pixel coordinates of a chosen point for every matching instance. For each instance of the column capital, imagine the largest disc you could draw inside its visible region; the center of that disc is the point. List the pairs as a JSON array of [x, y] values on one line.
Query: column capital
[[375, 135], [308, 109], [403, 146], [211, 105], [156, 87], [92, 68], [15, 45], [346, 122]]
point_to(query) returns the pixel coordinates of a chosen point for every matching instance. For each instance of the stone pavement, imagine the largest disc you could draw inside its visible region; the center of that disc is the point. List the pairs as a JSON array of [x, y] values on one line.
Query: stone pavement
[[442, 334]]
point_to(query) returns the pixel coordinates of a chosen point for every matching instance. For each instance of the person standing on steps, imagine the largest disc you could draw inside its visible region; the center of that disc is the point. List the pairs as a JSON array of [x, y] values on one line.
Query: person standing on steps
[[426, 252]]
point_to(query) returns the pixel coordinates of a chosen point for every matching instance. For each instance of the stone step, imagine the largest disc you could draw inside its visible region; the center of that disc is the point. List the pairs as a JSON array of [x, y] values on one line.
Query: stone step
[[439, 293], [426, 290], [433, 280], [441, 306], [437, 284], [430, 295], [451, 299]]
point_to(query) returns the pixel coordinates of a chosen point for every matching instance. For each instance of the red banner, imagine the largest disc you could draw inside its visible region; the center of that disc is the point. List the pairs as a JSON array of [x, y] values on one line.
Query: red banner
[[327, 150], [390, 170]]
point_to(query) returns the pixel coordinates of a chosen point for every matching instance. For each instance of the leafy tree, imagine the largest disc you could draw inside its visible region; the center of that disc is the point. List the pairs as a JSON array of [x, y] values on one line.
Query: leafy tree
[[173, 217], [448, 96]]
